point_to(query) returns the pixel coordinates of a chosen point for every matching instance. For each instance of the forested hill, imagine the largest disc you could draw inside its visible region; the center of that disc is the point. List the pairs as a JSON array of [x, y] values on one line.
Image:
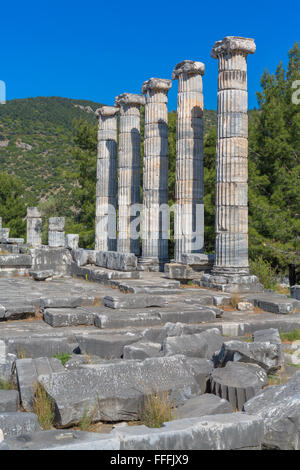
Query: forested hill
[[36, 140]]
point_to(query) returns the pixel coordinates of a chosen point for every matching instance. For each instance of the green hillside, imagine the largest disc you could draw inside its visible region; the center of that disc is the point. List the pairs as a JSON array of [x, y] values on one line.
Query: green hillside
[[36, 140]]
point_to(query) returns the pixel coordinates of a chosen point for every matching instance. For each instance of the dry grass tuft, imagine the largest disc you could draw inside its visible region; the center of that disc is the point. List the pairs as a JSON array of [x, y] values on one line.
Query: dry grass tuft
[[157, 409], [43, 407], [88, 419], [235, 299]]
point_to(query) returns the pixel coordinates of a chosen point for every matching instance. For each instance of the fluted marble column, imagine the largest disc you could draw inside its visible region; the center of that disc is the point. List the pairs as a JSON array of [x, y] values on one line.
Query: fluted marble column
[[189, 209], [155, 174], [34, 227], [129, 170], [232, 156], [106, 185]]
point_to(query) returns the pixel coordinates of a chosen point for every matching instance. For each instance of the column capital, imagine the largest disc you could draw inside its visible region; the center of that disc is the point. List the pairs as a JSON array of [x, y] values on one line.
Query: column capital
[[130, 99], [157, 84], [106, 111], [188, 66], [232, 44]]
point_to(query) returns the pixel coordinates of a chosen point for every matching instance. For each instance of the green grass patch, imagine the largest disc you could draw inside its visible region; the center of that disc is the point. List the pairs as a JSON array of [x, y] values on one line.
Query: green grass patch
[[63, 357], [7, 385], [157, 409], [290, 335]]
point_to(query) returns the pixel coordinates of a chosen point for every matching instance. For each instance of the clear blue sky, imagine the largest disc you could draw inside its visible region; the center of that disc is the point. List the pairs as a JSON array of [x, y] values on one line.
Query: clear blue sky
[[98, 49]]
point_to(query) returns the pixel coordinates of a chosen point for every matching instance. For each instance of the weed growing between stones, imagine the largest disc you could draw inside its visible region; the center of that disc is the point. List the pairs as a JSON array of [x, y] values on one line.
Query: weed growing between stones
[[88, 418], [43, 407], [235, 299], [63, 357], [157, 409], [7, 385], [290, 336]]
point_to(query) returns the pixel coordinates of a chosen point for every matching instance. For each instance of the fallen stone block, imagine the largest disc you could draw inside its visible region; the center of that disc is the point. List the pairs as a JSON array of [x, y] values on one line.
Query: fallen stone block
[[184, 271], [18, 310], [188, 345], [7, 362], [28, 371], [279, 407], [134, 301], [201, 345], [108, 346], [204, 405], [280, 306], [39, 346], [238, 382], [9, 400], [266, 355], [42, 275], [270, 335], [142, 350], [185, 314], [230, 431], [59, 317], [116, 391], [201, 370], [59, 439], [14, 424], [125, 319], [244, 306], [66, 302]]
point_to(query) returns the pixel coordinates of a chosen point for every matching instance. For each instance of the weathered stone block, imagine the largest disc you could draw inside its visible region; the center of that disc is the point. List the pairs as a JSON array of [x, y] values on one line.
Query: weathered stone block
[[204, 405], [72, 241], [15, 424], [28, 371], [59, 317], [117, 389], [57, 224], [56, 239], [142, 350], [108, 346], [266, 355], [238, 382], [135, 301], [279, 407], [9, 400]]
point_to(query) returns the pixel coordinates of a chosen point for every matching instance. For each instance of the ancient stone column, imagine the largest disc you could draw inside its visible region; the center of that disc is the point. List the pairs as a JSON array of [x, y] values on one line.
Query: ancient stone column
[[56, 232], [231, 259], [189, 189], [34, 227], [155, 174], [106, 185], [129, 168]]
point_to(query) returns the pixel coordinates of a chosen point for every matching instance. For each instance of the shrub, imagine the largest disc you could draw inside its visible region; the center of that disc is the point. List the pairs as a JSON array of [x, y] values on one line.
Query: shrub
[[264, 271]]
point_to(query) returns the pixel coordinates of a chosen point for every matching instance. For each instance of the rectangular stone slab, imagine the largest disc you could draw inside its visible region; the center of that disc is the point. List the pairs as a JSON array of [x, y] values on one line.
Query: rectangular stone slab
[[28, 370], [58, 317], [116, 391], [108, 346], [134, 301]]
